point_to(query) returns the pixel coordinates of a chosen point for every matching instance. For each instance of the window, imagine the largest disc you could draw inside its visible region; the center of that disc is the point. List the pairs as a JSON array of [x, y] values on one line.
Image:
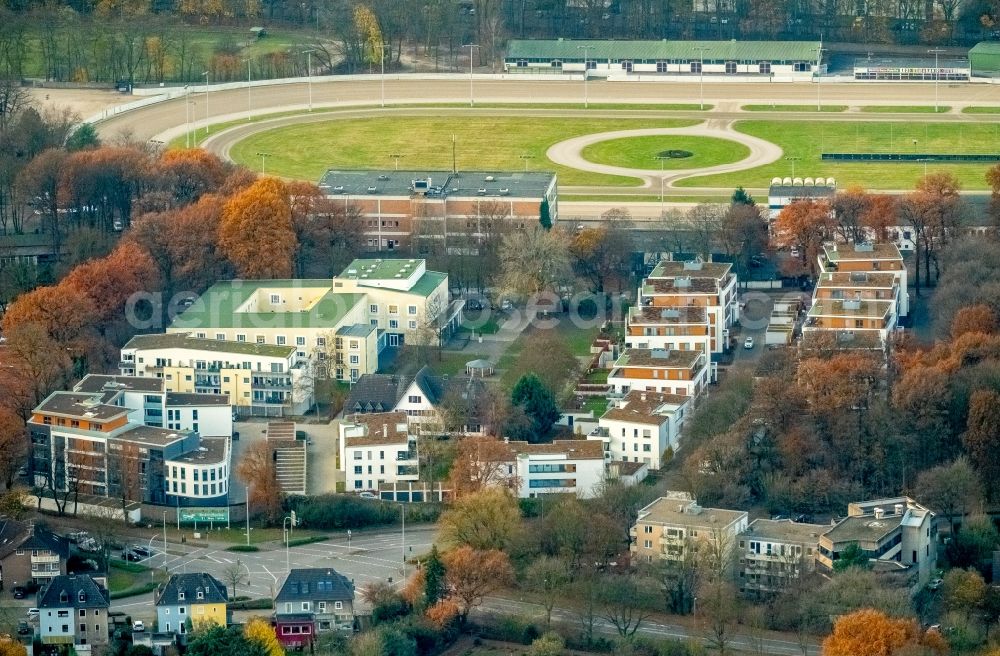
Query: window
[[696, 67], [411, 310], [305, 605], [338, 605], [413, 399], [661, 67], [275, 299], [83, 628], [300, 341], [802, 67], [280, 340], [393, 309], [357, 469], [647, 529], [181, 610], [321, 341], [83, 612], [627, 65], [241, 338], [393, 324], [413, 325], [731, 68], [648, 544], [373, 308], [355, 359], [260, 339], [764, 68]]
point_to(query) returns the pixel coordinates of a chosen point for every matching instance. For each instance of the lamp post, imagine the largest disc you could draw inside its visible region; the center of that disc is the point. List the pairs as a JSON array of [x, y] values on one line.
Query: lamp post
[[937, 75], [661, 158], [187, 116], [526, 157], [309, 79], [819, 55], [586, 76], [249, 102], [396, 157], [165, 542], [701, 75], [793, 160], [381, 47], [470, 46], [248, 514], [205, 75], [287, 531], [263, 158]]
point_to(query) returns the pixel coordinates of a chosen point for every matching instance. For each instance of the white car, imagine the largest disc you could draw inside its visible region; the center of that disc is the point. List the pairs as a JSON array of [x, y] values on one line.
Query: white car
[[138, 626], [368, 495], [33, 613], [794, 252], [748, 343]]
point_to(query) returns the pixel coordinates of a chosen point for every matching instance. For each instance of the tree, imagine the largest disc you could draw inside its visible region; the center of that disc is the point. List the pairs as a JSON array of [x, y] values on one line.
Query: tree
[[577, 534], [973, 546], [852, 556], [952, 489], [719, 608], [805, 224], [534, 261], [544, 216], [233, 574], [602, 254], [538, 403], [10, 647], [547, 356], [257, 471], [13, 445], [434, 577], [483, 520], [993, 180], [982, 437], [869, 633], [82, 138], [977, 318], [256, 232], [621, 503], [741, 197], [481, 463], [548, 644], [259, 631], [124, 477], [963, 590], [472, 574], [626, 602], [547, 577], [215, 640], [850, 208]]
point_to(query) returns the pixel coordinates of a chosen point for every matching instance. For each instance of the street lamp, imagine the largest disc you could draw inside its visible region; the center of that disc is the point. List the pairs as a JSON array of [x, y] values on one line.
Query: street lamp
[[470, 46], [526, 157], [937, 75], [249, 103], [165, 542], [396, 157], [287, 532], [586, 71], [263, 158], [381, 48], [309, 79], [205, 75], [701, 75], [661, 158], [819, 55], [187, 116], [248, 514], [793, 160]]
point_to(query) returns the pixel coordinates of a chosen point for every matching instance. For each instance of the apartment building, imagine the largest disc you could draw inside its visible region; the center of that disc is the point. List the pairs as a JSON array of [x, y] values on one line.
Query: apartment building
[[685, 328], [641, 426], [197, 597], [30, 554], [441, 210], [773, 554], [868, 257], [696, 284], [150, 403], [418, 396], [312, 601], [896, 531], [852, 315], [675, 527], [258, 379], [85, 442], [377, 448], [73, 610], [660, 370], [560, 467]]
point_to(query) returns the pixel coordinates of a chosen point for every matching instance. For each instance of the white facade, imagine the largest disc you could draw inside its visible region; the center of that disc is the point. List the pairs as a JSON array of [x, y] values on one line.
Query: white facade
[[202, 474], [419, 410], [625, 378], [642, 426], [561, 467], [377, 448]]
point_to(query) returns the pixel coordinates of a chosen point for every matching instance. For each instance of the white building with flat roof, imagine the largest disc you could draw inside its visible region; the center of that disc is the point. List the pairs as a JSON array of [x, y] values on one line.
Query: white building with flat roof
[[641, 426], [377, 448]]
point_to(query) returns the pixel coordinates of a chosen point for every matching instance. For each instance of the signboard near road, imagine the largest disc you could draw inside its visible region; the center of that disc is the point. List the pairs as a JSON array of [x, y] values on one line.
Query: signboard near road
[[203, 515]]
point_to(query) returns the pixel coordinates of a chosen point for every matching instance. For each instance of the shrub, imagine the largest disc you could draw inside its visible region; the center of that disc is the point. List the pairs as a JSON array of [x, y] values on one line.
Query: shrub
[[550, 644], [250, 604], [343, 511], [298, 542], [243, 548]]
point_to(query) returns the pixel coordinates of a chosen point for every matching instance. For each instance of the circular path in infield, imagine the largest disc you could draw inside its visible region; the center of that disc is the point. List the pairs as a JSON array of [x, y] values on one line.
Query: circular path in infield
[[570, 152]]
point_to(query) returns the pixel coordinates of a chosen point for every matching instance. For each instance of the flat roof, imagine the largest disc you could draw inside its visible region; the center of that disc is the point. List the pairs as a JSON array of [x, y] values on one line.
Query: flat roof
[[784, 530], [836, 252], [389, 182], [186, 341], [825, 307], [644, 407], [669, 511], [151, 435], [189, 399], [655, 314], [695, 269], [802, 191], [577, 449], [863, 528], [687, 286], [94, 383], [382, 269], [81, 405], [635, 357], [569, 50], [217, 307], [209, 451], [851, 279], [381, 428], [841, 340], [356, 330]]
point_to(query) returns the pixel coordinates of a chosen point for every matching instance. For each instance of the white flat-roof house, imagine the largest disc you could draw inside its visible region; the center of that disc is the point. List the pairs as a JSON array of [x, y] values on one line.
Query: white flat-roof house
[[641, 426], [377, 448]]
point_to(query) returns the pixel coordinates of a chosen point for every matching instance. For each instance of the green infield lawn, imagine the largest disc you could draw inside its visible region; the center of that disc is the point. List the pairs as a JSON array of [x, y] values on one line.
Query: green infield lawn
[[806, 140], [793, 108], [641, 152], [904, 109], [481, 142], [981, 109]]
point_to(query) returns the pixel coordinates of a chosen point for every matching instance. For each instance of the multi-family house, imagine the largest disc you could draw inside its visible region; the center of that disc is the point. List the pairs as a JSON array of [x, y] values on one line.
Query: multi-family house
[[312, 601], [773, 554], [559, 467], [85, 442], [895, 531], [868, 257], [641, 426], [377, 448], [259, 379], [684, 328], [676, 528], [73, 610], [30, 554], [708, 285], [659, 370], [852, 316], [190, 601], [418, 396]]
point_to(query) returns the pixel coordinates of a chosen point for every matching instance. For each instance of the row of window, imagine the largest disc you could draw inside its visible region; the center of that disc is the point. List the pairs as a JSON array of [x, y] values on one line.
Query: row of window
[[592, 63], [206, 475], [393, 309], [320, 606]]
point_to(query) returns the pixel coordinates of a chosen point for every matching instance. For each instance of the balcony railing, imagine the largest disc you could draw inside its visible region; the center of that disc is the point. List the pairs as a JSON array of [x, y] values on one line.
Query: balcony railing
[[45, 559]]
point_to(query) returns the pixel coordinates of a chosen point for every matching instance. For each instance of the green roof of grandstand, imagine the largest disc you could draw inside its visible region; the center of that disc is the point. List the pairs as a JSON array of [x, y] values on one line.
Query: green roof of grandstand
[[570, 50], [984, 58]]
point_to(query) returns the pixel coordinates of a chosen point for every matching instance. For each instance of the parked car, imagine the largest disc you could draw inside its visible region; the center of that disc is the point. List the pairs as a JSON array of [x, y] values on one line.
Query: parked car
[[131, 556], [138, 626], [19, 592], [474, 304], [76, 536], [368, 495], [507, 305], [23, 628], [32, 613], [236, 436], [145, 552], [748, 343], [89, 545]]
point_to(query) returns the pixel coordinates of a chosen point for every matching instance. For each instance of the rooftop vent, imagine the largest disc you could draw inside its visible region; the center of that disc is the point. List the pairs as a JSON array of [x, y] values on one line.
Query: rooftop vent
[[682, 282], [372, 189], [852, 304], [671, 313], [695, 265], [859, 276], [865, 247], [879, 513]]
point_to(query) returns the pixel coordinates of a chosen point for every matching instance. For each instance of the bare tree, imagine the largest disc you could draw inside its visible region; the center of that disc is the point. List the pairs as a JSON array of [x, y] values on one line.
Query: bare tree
[[233, 574], [13, 100]]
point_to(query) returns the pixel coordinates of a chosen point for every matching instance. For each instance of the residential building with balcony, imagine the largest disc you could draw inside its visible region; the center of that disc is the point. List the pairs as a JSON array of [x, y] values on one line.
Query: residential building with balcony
[[73, 611], [259, 379], [197, 597], [30, 554], [641, 426], [377, 448], [773, 554], [85, 442], [559, 467], [857, 316], [418, 396], [868, 257], [685, 328], [310, 602], [676, 528], [708, 285], [660, 370], [895, 532]]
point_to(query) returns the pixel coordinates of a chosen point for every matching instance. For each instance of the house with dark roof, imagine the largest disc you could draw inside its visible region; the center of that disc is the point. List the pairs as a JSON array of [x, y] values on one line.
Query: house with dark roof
[[198, 597], [417, 396], [30, 555], [312, 601], [73, 610]]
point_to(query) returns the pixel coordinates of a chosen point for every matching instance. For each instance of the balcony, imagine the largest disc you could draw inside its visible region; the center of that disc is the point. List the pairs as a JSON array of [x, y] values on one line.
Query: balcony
[[45, 559]]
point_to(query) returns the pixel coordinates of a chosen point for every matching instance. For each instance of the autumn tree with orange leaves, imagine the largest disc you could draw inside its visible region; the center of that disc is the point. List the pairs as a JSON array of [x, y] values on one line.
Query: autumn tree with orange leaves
[[870, 633], [481, 462], [977, 318], [471, 575], [256, 232], [982, 438], [256, 470], [804, 224]]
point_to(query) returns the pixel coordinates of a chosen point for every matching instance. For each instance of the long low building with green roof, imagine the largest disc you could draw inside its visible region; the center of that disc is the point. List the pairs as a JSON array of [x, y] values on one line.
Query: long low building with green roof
[[607, 58]]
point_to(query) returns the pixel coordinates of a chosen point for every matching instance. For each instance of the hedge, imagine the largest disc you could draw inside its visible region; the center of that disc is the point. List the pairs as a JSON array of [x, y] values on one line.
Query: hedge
[[250, 604], [298, 542], [243, 547]]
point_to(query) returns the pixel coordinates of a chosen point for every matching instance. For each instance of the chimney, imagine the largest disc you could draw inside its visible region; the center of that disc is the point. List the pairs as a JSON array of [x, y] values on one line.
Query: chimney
[[680, 508], [898, 508], [879, 513], [642, 397], [385, 430]]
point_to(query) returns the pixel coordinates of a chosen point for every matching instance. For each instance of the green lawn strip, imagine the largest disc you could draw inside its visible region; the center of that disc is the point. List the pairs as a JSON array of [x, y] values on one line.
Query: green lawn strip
[[625, 198], [642, 152], [306, 151], [237, 535], [490, 326], [451, 363], [127, 579], [250, 604], [981, 109], [793, 108], [807, 140], [598, 405], [904, 109], [597, 377], [669, 107]]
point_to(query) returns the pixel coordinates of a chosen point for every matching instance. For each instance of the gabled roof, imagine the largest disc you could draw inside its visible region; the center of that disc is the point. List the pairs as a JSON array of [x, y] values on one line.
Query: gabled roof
[[316, 584], [16, 535], [213, 591], [432, 386], [65, 592], [381, 392]]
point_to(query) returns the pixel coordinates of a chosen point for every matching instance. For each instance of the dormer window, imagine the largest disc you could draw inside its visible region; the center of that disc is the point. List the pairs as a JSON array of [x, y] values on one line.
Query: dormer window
[[82, 597], [63, 597], [201, 595], [180, 595]]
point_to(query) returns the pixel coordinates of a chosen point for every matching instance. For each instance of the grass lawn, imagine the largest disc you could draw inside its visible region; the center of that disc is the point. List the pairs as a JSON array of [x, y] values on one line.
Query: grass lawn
[[793, 108], [127, 579], [257, 535], [674, 107], [597, 377], [806, 140], [488, 327], [482, 143], [452, 363], [641, 152], [904, 109], [638, 198], [596, 404], [981, 109]]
